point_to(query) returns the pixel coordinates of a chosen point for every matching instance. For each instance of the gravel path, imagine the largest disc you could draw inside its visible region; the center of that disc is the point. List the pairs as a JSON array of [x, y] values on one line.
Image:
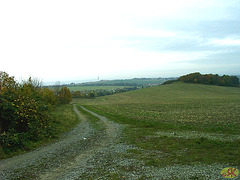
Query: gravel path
[[95, 150]]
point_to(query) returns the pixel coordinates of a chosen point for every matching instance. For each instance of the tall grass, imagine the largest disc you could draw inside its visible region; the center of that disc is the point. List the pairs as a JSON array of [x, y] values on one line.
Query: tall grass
[[64, 119]]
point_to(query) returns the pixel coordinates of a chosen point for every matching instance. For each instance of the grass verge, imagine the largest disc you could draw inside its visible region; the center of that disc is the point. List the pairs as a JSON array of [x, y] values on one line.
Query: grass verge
[[63, 120]]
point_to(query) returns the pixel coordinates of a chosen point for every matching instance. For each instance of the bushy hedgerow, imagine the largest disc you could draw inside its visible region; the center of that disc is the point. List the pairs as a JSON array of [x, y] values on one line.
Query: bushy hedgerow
[[24, 111]]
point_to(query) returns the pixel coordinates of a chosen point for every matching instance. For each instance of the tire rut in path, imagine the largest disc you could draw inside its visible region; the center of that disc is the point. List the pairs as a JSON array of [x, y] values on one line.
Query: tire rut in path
[[79, 165], [66, 158]]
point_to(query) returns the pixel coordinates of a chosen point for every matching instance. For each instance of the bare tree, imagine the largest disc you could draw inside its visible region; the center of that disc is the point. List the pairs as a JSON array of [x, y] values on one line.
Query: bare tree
[[57, 88]]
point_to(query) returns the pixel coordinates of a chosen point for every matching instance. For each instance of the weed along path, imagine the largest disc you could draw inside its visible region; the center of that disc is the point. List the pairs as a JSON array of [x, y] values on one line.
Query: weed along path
[[96, 149]]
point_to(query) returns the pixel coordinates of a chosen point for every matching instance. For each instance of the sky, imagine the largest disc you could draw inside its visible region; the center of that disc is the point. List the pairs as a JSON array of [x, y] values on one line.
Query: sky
[[60, 40]]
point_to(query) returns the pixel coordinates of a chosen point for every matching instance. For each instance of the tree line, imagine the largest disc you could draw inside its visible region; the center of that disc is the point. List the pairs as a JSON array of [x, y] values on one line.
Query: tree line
[[100, 92], [25, 109], [211, 79]]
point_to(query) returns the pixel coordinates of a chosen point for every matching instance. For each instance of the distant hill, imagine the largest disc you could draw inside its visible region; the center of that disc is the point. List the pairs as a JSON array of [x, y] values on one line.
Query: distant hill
[[181, 122], [127, 82], [175, 92]]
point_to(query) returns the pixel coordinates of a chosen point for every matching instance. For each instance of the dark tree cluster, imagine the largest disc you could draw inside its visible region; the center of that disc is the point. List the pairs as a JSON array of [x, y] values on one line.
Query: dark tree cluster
[[210, 79]]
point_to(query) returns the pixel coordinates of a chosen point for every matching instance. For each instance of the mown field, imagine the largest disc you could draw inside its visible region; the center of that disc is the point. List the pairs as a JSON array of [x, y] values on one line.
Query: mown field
[[89, 88], [188, 123]]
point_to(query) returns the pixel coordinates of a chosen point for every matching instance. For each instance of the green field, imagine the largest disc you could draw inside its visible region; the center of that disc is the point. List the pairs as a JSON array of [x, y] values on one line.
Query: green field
[[188, 123], [89, 88]]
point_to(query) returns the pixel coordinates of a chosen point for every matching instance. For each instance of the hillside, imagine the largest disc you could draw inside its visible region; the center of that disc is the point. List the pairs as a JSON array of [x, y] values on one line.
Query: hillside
[[174, 131], [164, 94], [126, 82], [170, 118], [178, 102]]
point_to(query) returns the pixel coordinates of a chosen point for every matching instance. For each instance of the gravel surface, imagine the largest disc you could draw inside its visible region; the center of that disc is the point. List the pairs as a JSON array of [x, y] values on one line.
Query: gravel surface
[[88, 152]]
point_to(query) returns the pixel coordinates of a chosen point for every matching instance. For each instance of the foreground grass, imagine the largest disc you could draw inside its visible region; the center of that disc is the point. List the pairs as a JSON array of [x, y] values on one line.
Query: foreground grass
[[159, 117], [64, 119]]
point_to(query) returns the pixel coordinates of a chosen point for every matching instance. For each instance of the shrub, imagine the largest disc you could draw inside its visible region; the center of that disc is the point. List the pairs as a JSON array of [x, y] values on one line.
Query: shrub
[[64, 96], [12, 141], [24, 111]]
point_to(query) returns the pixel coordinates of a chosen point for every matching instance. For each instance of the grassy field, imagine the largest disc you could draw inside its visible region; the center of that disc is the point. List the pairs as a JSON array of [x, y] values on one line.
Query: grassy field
[[89, 88], [188, 123]]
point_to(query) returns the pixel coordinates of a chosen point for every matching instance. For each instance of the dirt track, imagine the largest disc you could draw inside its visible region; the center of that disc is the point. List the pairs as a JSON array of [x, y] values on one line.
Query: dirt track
[[94, 150], [65, 158]]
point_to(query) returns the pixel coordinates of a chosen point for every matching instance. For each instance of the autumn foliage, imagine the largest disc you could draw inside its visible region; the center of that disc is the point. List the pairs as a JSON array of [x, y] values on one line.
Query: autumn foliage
[[25, 109], [211, 79]]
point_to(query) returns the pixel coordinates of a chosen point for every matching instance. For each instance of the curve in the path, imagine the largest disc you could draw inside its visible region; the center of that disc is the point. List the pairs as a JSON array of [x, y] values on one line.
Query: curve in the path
[[59, 160], [73, 169]]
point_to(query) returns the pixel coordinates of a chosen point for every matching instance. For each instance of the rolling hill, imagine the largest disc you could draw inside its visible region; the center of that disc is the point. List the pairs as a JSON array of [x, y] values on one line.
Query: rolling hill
[[170, 118]]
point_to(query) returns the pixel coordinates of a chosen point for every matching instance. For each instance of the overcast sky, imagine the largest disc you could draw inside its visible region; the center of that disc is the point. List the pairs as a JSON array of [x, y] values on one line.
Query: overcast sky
[[56, 40]]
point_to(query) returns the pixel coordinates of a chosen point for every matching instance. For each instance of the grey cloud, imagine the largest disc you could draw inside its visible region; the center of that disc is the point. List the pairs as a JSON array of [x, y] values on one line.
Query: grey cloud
[[221, 58], [191, 36]]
